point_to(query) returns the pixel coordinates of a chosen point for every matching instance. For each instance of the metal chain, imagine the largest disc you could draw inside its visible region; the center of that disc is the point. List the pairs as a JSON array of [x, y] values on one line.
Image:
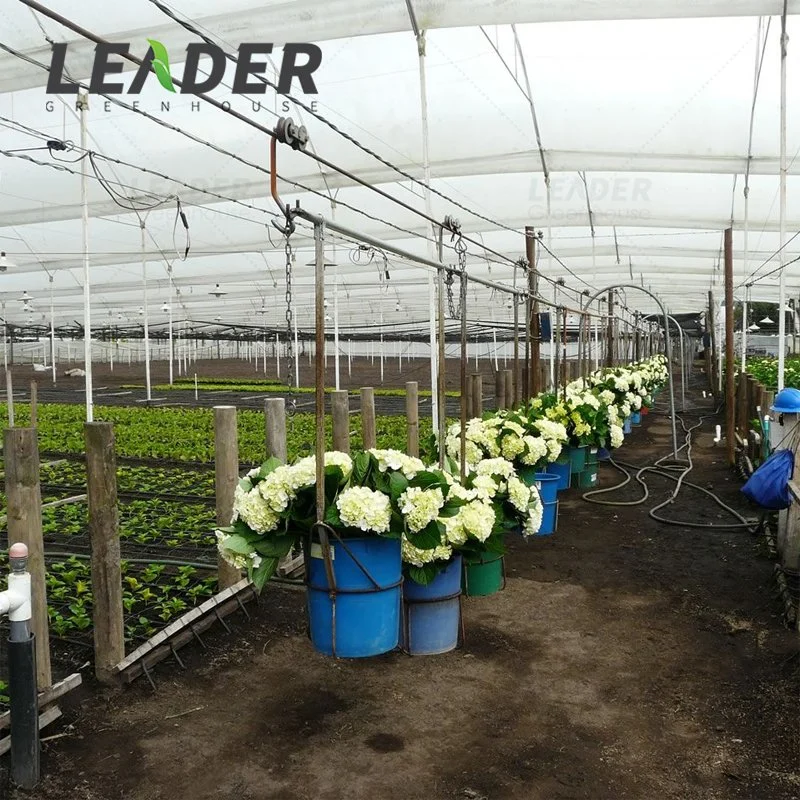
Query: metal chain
[[289, 319], [461, 252]]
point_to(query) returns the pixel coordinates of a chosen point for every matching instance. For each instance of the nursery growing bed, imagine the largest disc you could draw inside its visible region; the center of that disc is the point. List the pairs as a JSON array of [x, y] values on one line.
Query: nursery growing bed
[[626, 658]]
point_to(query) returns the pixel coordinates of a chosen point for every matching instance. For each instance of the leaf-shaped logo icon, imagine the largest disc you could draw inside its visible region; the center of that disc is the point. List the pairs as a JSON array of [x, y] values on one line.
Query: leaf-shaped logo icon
[[161, 64]]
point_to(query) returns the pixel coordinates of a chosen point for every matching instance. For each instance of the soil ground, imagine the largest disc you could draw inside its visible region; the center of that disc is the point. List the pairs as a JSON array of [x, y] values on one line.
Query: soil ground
[[625, 659]]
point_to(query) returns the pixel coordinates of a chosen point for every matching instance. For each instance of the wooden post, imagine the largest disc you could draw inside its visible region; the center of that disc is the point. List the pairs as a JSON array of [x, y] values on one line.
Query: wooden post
[[101, 492], [499, 390], [24, 513], [530, 253], [275, 425], [226, 476], [412, 418], [368, 436], [741, 406], [713, 333], [610, 333], [34, 398], [544, 376], [340, 411], [470, 389], [510, 396], [477, 394], [730, 400]]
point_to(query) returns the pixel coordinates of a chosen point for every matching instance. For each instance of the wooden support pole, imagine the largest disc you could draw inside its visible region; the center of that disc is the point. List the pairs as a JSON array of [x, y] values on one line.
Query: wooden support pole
[[24, 499], [712, 375], [275, 427], [499, 390], [34, 399], [510, 396], [101, 492], [610, 331], [412, 418], [544, 376], [340, 411], [226, 475], [468, 396], [530, 254], [477, 394], [730, 409], [368, 435]]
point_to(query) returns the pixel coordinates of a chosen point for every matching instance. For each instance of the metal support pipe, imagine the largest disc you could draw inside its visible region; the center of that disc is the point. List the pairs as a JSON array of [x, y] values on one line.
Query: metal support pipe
[[683, 368], [83, 107], [668, 343], [146, 318], [319, 298], [464, 410]]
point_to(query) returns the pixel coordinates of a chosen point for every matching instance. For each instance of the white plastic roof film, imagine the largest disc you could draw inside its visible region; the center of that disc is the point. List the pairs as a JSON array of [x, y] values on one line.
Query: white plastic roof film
[[649, 101]]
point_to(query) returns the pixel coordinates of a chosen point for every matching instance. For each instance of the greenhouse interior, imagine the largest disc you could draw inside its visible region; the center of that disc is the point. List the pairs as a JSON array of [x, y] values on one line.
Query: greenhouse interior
[[402, 400]]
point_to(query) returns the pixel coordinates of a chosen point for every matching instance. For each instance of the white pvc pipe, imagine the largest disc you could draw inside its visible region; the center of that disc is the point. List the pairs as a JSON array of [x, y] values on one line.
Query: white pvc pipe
[[432, 255], [52, 334], [296, 352], [171, 340], [782, 224], [146, 317]]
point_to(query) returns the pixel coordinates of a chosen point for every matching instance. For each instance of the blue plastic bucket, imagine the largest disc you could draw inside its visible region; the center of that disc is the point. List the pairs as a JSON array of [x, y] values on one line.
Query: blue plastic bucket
[[603, 454], [547, 485], [577, 457], [637, 417], [549, 518], [366, 621], [627, 427], [432, 613], [563, 471]]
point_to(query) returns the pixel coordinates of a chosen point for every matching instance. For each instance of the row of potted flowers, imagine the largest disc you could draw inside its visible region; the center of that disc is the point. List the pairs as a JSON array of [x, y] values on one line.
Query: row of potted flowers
[[386, 511]]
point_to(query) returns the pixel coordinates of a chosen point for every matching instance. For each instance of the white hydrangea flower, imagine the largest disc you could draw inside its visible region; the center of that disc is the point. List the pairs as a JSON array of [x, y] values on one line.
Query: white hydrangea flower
[[536, 450], [518, 494], [512, 445], [554, 448], [477, 519], [420, 506], [418, 557], [361, 507], [617, 436], [400, 462], [252, 509], [335, 458], [495, 466], [485, 487], [607, 398]]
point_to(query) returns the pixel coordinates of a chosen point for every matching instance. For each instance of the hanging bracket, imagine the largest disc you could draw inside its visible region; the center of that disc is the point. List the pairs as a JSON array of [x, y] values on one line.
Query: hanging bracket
[[296, 136]]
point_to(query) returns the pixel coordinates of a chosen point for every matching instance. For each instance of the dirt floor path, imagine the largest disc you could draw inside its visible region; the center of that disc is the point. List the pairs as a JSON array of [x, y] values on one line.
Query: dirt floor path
[[625, 659]]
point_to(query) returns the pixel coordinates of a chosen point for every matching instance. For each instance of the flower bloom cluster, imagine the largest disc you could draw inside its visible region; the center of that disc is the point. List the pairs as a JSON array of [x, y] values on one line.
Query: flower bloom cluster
[[420, 507], [364, 508], [400, 462]]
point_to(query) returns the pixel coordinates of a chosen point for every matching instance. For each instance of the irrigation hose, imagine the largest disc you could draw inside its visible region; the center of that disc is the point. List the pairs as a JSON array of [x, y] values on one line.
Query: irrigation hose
[[669, 471]]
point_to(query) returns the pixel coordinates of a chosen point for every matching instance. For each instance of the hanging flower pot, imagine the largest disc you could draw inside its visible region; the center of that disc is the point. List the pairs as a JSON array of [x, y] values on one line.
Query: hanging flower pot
[[357, 614], [562, 467], [577, 458], [485, 576], [431, 620]]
